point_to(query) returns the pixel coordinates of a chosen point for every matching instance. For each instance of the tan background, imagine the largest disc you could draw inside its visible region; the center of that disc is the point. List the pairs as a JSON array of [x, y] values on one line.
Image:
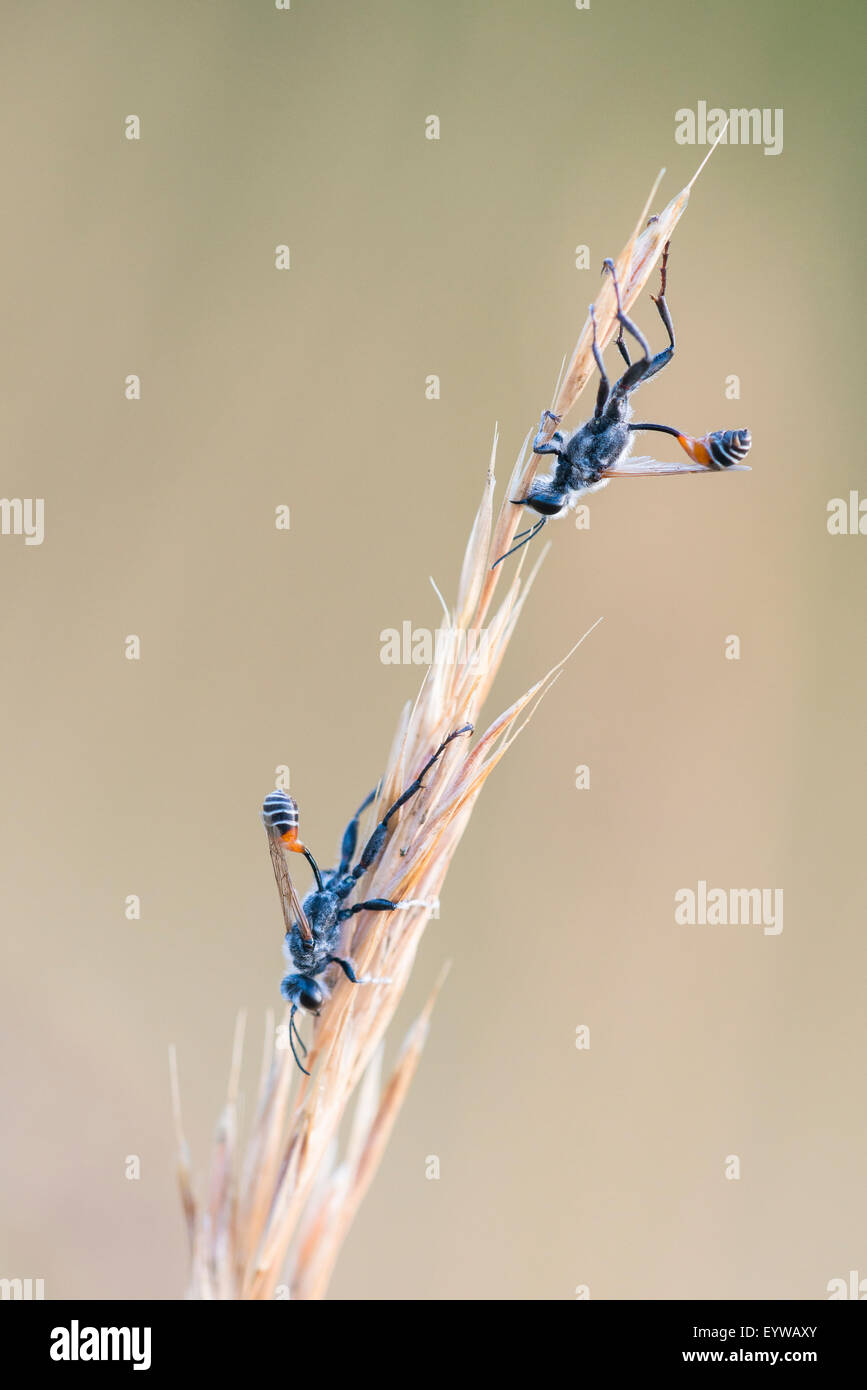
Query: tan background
[[410, 257]]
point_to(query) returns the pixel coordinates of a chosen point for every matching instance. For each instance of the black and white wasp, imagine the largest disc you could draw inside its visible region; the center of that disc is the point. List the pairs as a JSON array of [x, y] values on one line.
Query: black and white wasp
[[314, 926], [599, 449]]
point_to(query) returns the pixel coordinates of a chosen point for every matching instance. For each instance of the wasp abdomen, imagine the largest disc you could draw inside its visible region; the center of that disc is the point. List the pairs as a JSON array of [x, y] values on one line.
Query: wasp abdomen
[[727, 447], [280, 813]]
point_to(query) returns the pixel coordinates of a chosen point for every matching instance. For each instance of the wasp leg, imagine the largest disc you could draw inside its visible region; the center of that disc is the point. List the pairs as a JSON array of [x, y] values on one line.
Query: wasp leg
[[377, 839], [642, 370], [350, 836], [346, 967], [621, 317], [350, 974], [663, 358], [618, 342], [622, 348], [553, 445], [604, 384], [371, 905], [663, 272]]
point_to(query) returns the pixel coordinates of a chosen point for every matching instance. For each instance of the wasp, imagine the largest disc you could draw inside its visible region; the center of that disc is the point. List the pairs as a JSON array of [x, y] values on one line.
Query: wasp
[[314, 927], [599, 449]]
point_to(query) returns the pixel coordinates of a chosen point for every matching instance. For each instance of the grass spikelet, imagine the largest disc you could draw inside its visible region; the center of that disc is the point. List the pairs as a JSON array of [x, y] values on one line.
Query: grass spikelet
[[279, 1208]]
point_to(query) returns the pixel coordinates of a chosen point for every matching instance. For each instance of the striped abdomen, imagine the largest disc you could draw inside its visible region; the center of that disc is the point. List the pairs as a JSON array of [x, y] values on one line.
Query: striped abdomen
[[720, 449], [728, 446], [280, 813]]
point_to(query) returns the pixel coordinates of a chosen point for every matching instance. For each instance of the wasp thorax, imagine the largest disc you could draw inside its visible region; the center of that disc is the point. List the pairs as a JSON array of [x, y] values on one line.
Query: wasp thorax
[[322, 909]]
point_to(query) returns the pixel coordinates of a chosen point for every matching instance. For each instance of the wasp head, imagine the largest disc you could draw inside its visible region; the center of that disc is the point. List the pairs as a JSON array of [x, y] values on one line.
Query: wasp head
[[544, 497], [303, 992]]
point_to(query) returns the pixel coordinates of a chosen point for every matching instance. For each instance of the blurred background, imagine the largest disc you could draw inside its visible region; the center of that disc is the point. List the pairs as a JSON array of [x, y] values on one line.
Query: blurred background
[[413, 257]]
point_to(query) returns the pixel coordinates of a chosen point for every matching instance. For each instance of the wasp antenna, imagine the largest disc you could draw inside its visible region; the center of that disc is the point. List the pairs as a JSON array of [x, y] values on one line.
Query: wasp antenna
[[292, 1041], [520, 533], [526, 541], [294, 1026]]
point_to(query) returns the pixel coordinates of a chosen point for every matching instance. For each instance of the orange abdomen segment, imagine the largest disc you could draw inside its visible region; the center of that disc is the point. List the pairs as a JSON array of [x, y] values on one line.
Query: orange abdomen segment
[[695, 448]]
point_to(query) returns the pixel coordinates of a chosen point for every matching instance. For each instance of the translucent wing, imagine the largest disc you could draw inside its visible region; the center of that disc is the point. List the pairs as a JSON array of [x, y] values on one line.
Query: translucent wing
[[644, 466], [289, 901]]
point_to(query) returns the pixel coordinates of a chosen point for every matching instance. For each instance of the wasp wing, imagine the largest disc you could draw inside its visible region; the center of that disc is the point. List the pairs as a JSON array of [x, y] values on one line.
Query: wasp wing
[[293, 912], [644, 466]]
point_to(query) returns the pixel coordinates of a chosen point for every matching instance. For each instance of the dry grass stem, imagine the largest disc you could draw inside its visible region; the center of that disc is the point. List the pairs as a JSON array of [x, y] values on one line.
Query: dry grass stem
[[278, 1208]]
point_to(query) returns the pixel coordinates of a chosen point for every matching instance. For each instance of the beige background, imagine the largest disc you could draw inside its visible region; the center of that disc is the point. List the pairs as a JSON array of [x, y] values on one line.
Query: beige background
[[411, 257]]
